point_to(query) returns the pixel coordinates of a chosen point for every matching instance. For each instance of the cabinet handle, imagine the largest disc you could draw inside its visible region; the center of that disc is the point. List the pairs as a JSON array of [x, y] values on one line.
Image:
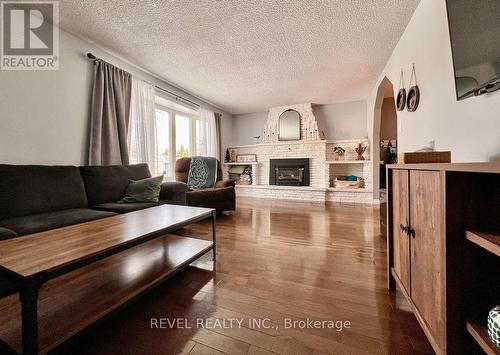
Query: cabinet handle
[[403, 228], [411, 232]]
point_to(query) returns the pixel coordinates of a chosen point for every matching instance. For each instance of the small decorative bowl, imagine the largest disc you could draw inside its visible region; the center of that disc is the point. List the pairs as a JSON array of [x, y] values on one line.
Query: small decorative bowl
[[494, 325]]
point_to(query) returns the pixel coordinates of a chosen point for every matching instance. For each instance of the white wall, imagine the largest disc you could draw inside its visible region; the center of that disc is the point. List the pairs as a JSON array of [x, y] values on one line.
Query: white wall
[[248, 125], [470, 129], [345, 120], [44, 115]]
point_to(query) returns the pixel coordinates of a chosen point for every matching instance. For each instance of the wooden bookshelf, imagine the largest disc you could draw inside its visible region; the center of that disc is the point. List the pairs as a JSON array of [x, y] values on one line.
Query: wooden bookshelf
[[479, 329], [488, 241], [480, 333]]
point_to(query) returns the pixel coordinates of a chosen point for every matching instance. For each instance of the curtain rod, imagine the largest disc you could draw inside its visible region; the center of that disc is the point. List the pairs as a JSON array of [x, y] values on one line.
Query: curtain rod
[[177, 97]]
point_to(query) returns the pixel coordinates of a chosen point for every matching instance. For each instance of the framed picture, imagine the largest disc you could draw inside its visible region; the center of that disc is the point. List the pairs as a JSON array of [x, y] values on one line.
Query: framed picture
[[246, 158]]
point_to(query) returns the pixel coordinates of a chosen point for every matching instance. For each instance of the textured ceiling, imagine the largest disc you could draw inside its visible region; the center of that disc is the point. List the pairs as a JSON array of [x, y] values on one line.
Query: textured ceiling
[[247, 56]]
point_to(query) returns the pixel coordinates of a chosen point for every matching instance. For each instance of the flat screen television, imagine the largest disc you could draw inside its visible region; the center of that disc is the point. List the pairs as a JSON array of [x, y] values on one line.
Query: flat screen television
[[475, 43]]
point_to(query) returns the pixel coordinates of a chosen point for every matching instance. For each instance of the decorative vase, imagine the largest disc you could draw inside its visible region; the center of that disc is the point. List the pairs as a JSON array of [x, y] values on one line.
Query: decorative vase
[[494, 325], [360, 149]]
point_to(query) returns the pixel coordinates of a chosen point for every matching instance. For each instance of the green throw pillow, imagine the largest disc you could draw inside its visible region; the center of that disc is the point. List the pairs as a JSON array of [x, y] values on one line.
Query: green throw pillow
[[145, 190]]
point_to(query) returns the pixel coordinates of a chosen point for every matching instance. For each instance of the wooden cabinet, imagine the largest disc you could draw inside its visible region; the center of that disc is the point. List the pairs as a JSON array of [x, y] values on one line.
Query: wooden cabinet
[[418, 244], [400, 201], [427, 261], [429, 209]]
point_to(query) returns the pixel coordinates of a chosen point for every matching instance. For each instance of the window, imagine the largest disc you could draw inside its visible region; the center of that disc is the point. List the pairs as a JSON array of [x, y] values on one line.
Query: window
[[163, 149], [182, 136], [178, 134]]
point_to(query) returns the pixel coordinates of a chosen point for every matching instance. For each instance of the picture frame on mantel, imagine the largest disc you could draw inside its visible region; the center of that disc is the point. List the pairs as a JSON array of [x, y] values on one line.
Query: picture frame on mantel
[[246, 158]]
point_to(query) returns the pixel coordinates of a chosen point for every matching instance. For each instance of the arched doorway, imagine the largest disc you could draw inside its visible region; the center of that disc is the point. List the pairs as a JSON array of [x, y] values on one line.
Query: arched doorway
[[384, 141]]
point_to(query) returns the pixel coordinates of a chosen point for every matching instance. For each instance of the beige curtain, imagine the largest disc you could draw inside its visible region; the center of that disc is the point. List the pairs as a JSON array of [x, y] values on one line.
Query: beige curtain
[[206, 130], [218, 135], [109, 115], [142, 125]]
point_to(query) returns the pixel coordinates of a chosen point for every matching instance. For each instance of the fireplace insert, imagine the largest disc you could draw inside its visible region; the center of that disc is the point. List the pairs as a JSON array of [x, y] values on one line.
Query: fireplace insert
[[289, 172]]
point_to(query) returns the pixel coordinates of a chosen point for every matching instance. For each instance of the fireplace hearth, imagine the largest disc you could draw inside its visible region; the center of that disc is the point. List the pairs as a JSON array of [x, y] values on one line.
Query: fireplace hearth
[[289, 172]]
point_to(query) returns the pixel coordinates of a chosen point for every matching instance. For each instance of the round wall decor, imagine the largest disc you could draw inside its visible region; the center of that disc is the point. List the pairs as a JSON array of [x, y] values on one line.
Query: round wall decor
[[413, 99], [401, 98]]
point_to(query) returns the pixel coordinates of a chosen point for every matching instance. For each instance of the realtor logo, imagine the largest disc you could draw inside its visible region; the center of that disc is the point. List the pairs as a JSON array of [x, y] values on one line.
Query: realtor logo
[[29, 35]]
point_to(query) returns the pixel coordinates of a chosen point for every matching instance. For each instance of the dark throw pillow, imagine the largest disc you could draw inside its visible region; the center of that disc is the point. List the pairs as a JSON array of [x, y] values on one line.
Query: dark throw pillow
[[145, 190]]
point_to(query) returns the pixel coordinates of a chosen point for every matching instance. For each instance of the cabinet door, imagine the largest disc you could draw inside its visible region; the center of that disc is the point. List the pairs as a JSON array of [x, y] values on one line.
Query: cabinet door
[[428, 249], [400, 216]]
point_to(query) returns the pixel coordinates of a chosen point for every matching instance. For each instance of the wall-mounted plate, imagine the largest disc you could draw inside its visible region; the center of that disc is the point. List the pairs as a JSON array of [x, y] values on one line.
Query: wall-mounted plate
[[401, 100], [413, 99]]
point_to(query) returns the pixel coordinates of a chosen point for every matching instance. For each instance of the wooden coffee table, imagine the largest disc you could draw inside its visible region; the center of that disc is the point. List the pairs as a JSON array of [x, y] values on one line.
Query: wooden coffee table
[[133, 251]]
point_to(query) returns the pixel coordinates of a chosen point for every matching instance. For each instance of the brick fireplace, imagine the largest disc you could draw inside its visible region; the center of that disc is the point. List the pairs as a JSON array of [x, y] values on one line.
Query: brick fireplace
[[303, 169]]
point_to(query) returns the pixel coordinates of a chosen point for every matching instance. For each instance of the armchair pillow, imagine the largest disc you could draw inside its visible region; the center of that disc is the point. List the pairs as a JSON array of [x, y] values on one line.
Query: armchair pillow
[[145, 190], [202, 172]]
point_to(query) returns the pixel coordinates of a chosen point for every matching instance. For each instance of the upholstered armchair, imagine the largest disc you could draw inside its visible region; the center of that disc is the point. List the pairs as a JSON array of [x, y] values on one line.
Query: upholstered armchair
[[222, 196]]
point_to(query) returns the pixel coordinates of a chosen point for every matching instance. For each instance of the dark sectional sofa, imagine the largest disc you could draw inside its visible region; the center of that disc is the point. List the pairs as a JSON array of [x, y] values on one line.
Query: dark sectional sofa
[[36, 198]]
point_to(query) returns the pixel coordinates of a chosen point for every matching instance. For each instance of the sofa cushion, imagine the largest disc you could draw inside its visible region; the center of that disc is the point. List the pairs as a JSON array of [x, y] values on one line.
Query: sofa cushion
[[182, 169], [7, 233], [222, 199], [46, 221], [174, 192], [145, 190], [31, 189], [108, 183], [124, 207]]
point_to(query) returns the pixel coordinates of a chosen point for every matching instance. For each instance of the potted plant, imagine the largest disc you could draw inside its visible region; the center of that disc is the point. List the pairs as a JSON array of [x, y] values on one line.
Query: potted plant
[[339, 153]]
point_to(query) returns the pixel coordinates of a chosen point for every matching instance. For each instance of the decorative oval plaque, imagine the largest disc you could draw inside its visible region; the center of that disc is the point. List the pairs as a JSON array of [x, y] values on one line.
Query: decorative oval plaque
[[401, 99], [413, 99]]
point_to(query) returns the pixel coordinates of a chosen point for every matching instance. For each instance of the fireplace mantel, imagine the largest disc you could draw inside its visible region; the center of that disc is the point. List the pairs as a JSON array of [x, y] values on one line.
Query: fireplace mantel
[[323, 167], [319, 153]]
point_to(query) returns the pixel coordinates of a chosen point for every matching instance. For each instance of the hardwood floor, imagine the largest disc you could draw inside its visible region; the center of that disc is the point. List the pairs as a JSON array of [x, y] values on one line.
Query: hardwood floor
[[281, 261]]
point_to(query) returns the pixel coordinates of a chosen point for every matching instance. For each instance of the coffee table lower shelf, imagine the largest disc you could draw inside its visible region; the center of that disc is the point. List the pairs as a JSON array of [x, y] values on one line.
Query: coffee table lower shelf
[[74, 301]]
